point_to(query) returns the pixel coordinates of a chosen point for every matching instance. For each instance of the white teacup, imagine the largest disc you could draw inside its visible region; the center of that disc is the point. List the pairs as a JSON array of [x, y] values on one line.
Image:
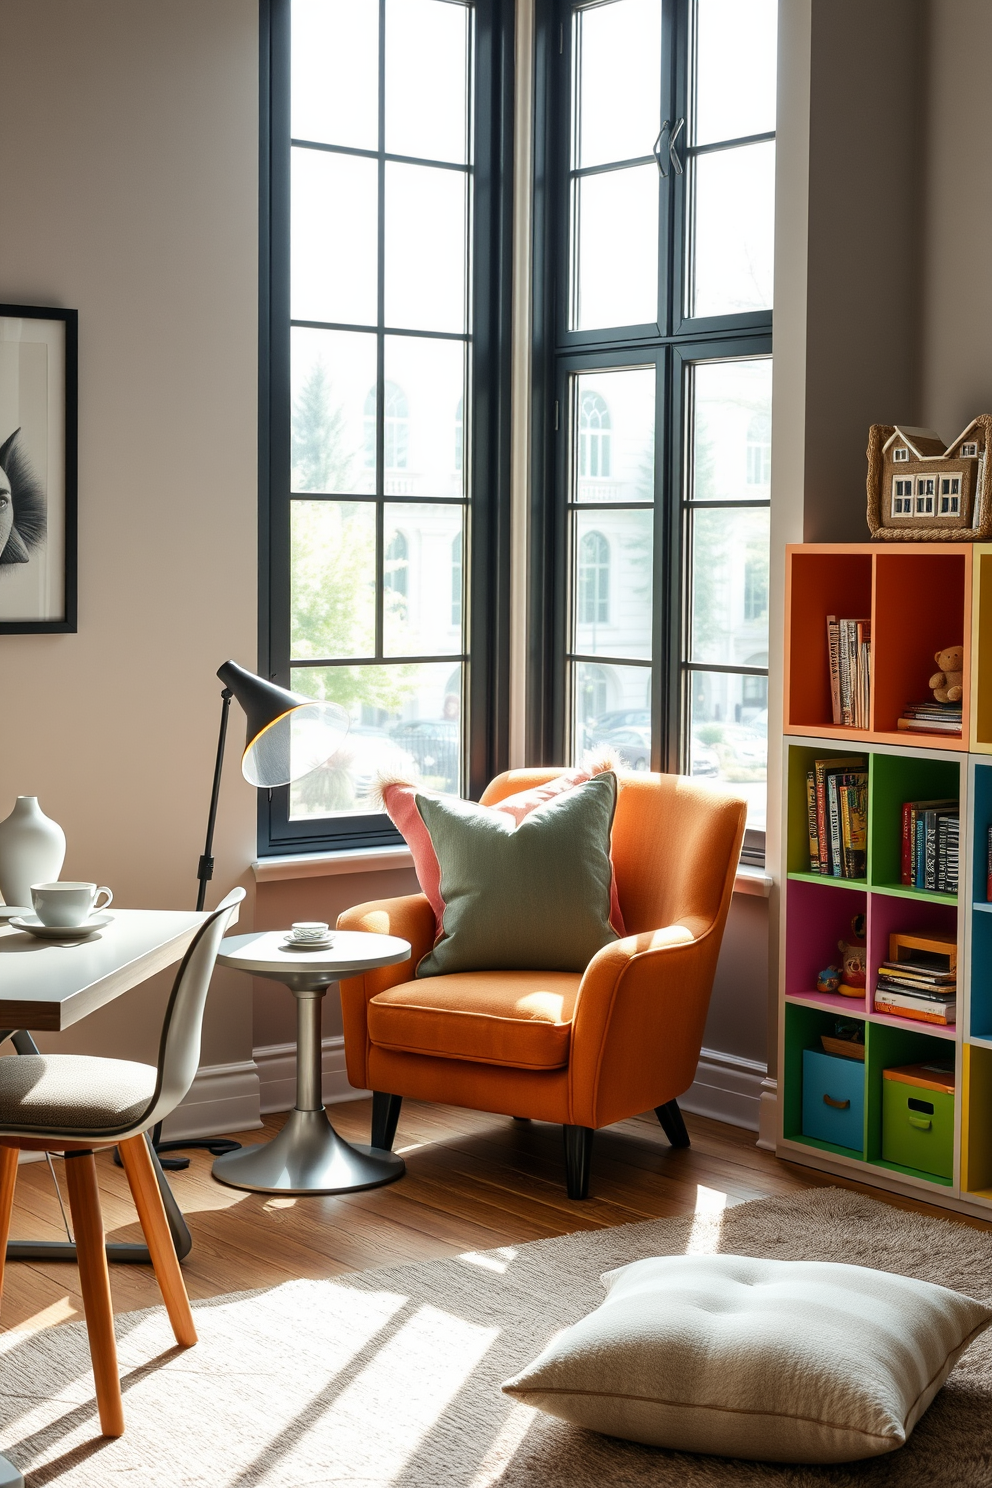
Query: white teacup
[[305, 930], [67, 905]]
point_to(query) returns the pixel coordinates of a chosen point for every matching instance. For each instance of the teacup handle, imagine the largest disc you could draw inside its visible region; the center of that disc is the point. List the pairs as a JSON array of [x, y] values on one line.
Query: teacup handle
[[106, 903]]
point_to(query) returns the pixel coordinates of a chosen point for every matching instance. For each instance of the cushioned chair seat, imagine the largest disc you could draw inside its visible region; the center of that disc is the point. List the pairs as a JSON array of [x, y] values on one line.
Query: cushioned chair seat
[[522, 1019], [66, 1092]]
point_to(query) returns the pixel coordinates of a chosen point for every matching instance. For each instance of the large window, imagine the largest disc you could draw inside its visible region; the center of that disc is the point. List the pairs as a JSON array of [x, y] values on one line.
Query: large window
[[657, 238], [378, 147]]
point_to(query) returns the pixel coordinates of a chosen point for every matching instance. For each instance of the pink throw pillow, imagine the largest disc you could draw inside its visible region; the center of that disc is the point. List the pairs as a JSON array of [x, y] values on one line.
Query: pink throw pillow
[[399, 798]]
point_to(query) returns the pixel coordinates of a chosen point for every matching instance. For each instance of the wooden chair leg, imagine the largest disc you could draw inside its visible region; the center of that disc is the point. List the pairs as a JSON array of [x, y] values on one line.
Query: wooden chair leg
[[151, 1212], [8, 1177], [672, 1124], [385, 1115], [94, 1280], [578, 1159]]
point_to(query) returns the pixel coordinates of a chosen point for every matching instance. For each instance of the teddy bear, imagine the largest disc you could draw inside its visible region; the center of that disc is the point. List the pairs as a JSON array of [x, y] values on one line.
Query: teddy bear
[[946, 683]]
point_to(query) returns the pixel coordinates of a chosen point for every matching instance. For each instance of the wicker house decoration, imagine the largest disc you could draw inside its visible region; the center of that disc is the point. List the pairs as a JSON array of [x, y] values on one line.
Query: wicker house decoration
[[918, 490]]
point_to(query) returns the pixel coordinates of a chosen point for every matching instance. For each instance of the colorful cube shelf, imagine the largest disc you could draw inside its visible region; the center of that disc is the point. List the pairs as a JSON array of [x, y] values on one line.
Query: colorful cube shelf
[[920, 598]]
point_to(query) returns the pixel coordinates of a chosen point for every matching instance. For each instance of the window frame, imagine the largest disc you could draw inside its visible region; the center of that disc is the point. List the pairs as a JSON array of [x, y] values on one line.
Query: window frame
[[486, 544], [674, 341]]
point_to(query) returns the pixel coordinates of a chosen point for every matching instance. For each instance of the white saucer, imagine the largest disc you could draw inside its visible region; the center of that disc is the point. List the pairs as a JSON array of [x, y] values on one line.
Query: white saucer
[[290, 943], [8, 911], [33, 926]]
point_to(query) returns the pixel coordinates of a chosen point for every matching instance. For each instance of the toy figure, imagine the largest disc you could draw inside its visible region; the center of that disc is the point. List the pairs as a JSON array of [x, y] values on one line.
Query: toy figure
[[946, 683], [828, 980], [855, 966]]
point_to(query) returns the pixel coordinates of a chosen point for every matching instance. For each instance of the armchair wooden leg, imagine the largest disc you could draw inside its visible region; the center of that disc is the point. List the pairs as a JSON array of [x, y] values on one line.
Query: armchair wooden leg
[[385, 1115], [94, 1280], [8, 1177], [578, 1160], [151, 1212], [672, 1124]]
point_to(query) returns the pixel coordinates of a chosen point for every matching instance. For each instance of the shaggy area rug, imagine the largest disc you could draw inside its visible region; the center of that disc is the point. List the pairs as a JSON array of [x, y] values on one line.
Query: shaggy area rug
[[392, 1377]]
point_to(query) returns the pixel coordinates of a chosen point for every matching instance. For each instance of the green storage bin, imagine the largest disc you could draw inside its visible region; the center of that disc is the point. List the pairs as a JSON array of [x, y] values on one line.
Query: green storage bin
[[918, 1127]]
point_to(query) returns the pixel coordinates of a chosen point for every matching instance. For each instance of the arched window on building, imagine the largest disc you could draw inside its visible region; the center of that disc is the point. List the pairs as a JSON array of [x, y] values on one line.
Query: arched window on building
[[759, 450], [396, 569], [593, 687], [459, 434], [756, 586], [397, 428], [594, 580], [594, 437], [456, 579]]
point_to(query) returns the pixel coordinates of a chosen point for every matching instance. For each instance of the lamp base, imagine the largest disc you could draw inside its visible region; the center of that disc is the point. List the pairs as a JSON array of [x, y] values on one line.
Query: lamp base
[[308, 1157]]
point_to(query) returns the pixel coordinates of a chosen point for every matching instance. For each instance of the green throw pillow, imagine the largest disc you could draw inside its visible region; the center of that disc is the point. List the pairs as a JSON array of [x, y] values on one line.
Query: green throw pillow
[[534, 897]]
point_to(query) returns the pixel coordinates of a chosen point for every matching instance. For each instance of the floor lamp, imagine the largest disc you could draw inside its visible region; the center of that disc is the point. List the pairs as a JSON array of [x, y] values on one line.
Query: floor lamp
[[289, 735]]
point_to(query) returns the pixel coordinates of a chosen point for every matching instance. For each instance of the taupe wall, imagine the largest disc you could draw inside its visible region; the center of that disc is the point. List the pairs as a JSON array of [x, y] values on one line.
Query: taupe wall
[[128, 162]]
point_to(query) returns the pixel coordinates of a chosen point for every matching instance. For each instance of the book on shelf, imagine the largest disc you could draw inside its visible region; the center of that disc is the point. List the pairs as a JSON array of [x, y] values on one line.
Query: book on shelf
[[940, 1010], [837, 817], [849, 658], [931, 717], [930, 845]]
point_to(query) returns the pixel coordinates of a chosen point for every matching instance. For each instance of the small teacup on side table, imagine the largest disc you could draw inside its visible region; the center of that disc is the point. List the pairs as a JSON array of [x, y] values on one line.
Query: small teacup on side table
[[68, 905], [308, 1156]]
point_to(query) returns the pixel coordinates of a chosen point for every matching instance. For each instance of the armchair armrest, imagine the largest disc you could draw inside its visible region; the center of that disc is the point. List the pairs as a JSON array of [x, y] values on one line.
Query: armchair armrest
[[638, 1022], [411, 918]]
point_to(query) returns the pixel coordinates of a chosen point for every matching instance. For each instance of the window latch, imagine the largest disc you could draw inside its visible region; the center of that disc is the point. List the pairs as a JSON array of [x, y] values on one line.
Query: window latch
[[672, 152], [657, 152]]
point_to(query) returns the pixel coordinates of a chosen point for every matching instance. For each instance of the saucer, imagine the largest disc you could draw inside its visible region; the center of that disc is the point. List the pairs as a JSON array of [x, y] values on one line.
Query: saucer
[[8, 911], [33, 926], [290, 943]]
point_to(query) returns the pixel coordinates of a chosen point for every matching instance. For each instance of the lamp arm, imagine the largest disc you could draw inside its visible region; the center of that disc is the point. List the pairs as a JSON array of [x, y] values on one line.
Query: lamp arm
[[205, 871]]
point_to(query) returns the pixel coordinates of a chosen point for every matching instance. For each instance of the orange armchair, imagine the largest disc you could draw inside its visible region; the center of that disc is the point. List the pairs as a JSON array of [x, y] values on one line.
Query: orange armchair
[[583, 1049]]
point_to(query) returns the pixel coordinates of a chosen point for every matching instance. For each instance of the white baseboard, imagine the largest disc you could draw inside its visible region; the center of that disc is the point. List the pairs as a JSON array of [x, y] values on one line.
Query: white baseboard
[[223, 1098], [726, 1088], [276, 1064], [768, 1116]]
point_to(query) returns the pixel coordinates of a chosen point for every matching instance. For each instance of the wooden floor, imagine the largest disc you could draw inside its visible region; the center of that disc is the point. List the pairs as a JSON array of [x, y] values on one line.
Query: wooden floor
[[473, 1181]]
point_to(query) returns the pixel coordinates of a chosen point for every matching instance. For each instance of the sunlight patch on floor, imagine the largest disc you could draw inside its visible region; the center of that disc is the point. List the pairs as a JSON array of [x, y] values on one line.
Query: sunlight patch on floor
[[279, 1204], [62, 1311], [504, 1446], [496, 1260], [707, 1221]]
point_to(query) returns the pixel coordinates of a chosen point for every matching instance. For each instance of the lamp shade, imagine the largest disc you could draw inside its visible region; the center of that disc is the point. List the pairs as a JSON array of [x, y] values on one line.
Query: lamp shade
[[288, 734]]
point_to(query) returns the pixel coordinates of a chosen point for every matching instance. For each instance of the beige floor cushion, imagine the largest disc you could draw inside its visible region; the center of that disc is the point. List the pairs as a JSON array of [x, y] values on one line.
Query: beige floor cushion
[[782, 1361]]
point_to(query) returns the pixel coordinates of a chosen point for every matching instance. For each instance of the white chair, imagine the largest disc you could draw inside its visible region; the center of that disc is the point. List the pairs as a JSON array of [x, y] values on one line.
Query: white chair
[[73, 1104]]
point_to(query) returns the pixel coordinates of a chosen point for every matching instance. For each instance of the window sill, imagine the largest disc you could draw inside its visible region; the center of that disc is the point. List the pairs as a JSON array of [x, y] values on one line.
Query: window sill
[[750, 880]]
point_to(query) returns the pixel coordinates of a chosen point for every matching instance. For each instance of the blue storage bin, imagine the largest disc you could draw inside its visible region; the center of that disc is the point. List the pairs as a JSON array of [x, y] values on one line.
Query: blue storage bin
[[834, 1099]]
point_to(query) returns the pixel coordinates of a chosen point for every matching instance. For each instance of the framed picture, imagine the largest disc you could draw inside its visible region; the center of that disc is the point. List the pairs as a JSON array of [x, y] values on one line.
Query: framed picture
[[38, 349]]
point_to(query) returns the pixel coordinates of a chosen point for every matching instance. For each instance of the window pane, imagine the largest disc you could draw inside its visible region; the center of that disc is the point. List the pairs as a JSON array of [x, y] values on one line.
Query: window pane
[[333, 579], [418, 580], [734, 193], [618, 76], [612, 706], [406, 721], [732, 431], [615, 223], [736, 44], [334, 270], [729, 736], [333, 400], [424, 435], [335, 91], [613, 435], [729, 562], [427, 79], [425, 248], [612, 583]]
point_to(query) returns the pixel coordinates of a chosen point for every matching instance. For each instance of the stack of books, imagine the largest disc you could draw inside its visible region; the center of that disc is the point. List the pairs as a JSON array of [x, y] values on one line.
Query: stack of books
[[907, 989], [849, 650], [837, 813], [930, 845], [931, 717]]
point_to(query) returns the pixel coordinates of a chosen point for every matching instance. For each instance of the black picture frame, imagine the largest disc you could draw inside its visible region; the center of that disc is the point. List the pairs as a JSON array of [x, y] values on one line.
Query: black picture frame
[[39, 494]]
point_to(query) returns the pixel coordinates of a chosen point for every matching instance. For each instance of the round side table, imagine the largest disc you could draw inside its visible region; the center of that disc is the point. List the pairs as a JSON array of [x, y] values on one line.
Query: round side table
[[308, 1156]]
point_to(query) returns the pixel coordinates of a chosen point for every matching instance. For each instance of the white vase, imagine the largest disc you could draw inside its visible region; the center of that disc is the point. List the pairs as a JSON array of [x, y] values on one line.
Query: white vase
[[32, 850]]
